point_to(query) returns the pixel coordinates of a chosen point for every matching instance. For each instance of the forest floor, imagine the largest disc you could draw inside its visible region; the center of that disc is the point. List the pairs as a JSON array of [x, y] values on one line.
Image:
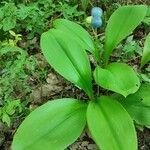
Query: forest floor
[[37, 82]]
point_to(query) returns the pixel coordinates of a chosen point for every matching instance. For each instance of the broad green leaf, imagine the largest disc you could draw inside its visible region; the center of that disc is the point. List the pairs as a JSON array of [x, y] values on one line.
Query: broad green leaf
[[85, 3], [138, 104], [121, 23], [138, 111], [110, 125], [146, 52], [68, 58], [147, 18], [117, 77], [79, 34], [54, 125]]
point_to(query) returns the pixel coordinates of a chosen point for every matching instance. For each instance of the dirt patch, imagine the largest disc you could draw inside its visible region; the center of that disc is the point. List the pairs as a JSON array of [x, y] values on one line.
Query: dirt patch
[[85, 142]]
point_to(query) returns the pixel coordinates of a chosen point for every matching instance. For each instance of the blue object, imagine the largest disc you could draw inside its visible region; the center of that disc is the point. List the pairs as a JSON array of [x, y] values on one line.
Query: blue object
[[96, 11], [96, 22]]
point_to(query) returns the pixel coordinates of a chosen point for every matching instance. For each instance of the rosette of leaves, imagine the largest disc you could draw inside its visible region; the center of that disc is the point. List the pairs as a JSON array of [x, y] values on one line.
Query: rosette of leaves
[[57, 124]]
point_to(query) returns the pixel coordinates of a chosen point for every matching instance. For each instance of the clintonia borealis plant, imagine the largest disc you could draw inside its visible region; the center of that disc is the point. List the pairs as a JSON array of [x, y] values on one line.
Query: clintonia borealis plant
[[110, 119]]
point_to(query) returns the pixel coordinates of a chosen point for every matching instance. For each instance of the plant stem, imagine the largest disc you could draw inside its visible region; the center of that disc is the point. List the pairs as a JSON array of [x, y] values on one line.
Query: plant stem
[[97, 52]]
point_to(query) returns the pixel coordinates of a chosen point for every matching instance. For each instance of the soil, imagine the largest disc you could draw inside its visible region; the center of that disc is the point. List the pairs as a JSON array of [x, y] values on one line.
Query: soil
[[56, 87], [85, 142]]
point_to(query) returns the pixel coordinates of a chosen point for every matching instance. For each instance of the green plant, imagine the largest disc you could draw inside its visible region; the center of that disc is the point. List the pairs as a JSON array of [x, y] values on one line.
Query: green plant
[[8, 16], [85, 3], [147, 18], [58, 123], [68, 11], [12, 42], [9, 109], [11, 74], [14, 64], [146, 52], [34, 17], [131, 47], [23, 17]]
